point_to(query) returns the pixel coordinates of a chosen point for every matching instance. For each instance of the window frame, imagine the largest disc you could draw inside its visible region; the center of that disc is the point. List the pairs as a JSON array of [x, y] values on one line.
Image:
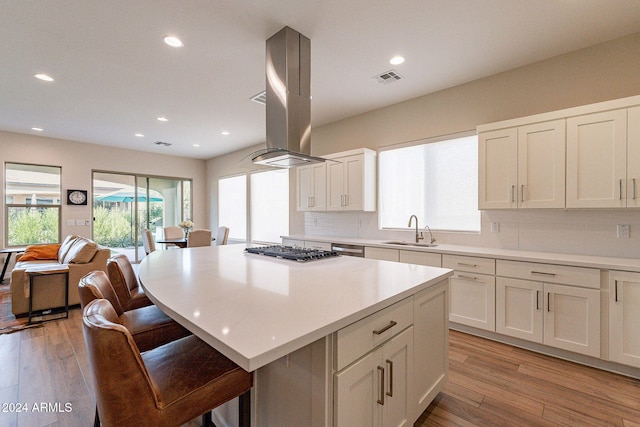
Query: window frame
[[425, 221], [8, 206]]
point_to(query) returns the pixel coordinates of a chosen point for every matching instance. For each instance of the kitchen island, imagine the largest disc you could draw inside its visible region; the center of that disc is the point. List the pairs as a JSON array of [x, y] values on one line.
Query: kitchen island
[[308, 329]]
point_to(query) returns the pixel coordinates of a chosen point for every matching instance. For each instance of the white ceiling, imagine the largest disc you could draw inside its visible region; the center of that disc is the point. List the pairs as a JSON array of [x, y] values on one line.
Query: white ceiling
[[114, 75]]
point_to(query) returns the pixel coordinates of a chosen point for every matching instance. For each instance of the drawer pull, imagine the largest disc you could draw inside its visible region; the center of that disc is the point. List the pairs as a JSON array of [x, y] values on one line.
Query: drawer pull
[[537, 300], [513, 189], [381, 374], [616, 290], [542, 273], [620, 185], [390, 364], [462, 276], [464, 264], [548, 301], [391, 324]]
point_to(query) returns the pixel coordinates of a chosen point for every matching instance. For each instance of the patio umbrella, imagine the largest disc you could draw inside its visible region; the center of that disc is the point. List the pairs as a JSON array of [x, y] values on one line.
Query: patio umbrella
[[126, 197]]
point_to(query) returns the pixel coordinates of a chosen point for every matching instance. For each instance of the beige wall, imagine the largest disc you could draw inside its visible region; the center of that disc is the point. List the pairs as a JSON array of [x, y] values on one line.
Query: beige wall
[[603, 72], [78, 160]]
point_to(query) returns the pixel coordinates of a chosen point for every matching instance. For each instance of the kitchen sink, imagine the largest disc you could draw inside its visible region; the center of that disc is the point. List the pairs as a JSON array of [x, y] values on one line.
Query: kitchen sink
[[407, 243]]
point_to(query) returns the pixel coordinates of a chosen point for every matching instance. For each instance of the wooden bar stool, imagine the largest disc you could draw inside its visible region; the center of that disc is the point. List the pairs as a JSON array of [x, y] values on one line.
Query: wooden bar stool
[[166, 386]]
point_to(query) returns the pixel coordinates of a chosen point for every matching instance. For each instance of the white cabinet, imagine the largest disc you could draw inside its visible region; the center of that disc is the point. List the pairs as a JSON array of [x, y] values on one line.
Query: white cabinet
[[624, 317], [551, 304], [597, 159], [633, 157], [351, 181], [522, 167], [430, 345], [311, 187], [473, 291]]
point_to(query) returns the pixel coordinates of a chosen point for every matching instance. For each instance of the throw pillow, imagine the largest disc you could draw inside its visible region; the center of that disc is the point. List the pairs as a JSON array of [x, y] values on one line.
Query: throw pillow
[[36, 252]]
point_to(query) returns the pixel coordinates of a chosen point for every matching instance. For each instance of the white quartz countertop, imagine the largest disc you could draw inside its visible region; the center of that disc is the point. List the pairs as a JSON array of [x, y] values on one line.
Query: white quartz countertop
[[606, 263], [255, 309]]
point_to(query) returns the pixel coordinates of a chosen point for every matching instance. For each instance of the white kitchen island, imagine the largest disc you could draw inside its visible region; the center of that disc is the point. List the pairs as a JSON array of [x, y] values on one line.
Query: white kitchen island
[[337, 341]]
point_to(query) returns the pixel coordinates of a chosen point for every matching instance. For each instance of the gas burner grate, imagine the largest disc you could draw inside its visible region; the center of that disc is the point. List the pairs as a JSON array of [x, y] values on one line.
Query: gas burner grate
[[292, 253]]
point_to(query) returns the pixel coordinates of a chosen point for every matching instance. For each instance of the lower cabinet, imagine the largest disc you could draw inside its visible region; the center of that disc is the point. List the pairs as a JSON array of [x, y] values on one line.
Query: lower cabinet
[[624, 317], [473, 291], [375, 390], [384, 254], [554, 314]]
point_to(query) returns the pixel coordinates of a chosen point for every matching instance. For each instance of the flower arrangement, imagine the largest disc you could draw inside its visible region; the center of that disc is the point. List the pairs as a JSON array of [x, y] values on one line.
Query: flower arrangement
[[186, 224]]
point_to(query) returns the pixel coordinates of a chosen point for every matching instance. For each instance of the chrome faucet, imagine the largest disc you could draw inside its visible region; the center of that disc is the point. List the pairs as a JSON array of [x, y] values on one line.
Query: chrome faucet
[[418, 236], [430, 234]]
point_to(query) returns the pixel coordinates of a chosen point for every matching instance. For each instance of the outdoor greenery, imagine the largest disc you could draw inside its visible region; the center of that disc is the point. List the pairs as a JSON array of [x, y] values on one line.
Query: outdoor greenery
[[33, 225], [112, 226]]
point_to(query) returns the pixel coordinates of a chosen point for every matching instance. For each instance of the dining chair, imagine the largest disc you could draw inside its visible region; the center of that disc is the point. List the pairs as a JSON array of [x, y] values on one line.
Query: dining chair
[[199, 237], [147, 241], [173, 232], [125, 283], [222, 235], [166, 386], [149, 326]]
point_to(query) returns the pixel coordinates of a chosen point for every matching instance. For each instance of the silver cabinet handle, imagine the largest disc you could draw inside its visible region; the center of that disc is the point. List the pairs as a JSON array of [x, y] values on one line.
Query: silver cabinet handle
[[391, 324], [620, 185], [513, 189], [615, 283], [346, 200], [463, 276], [381, 395], [633, 180], [537, 300], [522, 193], [464, 264], [390, 364], [548, 301], [542, 273]]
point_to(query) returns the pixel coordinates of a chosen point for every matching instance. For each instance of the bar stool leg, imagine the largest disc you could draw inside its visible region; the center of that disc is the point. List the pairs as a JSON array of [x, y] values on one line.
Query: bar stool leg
[[244, 402], [206, 420]]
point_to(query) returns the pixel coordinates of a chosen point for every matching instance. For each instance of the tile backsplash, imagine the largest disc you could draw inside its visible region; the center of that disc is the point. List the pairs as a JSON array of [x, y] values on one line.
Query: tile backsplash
[[584, 232]]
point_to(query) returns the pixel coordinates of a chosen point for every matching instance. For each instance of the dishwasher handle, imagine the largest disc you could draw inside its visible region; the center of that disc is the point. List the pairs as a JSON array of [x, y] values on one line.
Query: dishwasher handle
[[348, 250]]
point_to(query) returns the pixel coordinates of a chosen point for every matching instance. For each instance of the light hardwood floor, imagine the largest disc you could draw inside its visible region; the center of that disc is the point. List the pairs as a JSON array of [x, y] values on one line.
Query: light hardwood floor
[[490, 384]]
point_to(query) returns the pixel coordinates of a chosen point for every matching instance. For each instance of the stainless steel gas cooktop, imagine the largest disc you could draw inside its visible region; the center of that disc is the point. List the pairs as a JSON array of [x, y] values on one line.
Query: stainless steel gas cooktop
[[292, 253]]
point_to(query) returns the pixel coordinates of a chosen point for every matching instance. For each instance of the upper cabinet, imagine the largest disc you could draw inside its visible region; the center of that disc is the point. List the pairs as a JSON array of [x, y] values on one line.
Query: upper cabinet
[[312, 187], [522, 167], [522, 162], [349, 184], [597, 160]]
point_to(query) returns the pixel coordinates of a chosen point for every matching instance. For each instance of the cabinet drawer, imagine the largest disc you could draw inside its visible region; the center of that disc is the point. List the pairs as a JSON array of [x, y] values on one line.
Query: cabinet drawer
[[469, 263], [364, 335], [550, 273], [421, 258]]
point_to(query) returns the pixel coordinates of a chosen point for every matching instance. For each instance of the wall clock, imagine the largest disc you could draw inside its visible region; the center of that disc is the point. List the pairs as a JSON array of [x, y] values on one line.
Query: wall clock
[[76, 197]]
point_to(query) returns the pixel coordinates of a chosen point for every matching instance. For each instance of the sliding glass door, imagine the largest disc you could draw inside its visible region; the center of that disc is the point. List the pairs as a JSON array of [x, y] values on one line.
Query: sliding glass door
[[124, 204]]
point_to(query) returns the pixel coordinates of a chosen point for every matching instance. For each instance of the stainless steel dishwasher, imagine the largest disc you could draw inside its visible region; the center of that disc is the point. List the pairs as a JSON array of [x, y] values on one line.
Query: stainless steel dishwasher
[[348, 250]]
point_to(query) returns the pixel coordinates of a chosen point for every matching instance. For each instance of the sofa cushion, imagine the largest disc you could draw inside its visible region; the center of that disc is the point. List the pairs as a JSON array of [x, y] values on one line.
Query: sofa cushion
[[36, 252], [81, 251], [64, 247]]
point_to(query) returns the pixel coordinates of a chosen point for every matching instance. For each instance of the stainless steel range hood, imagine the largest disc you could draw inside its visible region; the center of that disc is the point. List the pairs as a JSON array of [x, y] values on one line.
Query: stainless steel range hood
[[288, 101]]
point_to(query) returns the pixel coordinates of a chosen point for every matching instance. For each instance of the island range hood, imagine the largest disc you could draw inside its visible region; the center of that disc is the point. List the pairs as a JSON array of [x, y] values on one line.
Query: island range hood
[[288, 102]]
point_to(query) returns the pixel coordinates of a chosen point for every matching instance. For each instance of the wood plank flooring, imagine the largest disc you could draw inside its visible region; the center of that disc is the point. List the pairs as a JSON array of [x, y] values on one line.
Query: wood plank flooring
[[490, 384]]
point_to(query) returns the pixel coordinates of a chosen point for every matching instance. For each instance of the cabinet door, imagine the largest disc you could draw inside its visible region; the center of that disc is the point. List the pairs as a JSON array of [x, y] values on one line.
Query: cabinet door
[[572, 319], [304, 193], [596, 160], [473, 300], [541, 165], [430, 344], [519, 308], [335, 185], [633, 158], [497, 169], [624, 318], [357, 389], [397, 361], [353, 182]]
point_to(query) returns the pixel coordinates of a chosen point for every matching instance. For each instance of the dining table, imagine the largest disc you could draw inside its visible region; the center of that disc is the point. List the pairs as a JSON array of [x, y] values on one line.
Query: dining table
[[180, 242]]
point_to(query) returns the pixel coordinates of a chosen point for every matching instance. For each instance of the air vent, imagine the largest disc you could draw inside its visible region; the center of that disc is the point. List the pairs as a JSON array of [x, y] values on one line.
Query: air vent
[[387, 77], [260, 98], [164, 144]]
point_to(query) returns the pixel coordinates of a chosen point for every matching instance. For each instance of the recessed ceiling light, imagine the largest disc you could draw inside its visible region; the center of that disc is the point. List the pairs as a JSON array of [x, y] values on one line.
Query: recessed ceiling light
[[225, 132], [44, 77], [37, 129], [139, 135], [396, 60], [173, 41], [163, 119], [196, 145]]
